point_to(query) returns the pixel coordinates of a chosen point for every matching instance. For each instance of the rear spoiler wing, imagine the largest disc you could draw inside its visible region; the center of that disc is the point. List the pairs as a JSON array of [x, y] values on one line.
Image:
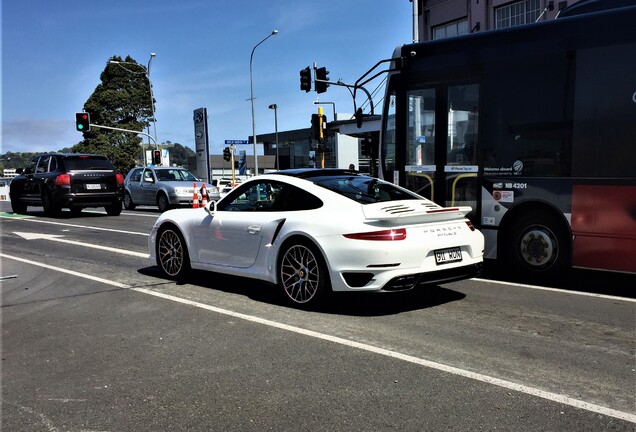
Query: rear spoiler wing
[[406, 212]]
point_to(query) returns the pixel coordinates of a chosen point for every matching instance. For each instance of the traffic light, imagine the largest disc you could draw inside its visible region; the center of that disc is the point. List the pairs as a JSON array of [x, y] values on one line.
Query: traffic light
[[156, 157], [226, 154], [82, 122], [322, 75], [319, 127], [305, 79]]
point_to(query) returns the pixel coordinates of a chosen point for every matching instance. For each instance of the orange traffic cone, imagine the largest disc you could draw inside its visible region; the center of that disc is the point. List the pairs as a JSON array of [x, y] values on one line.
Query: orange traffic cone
[[204, 196], [195, 197]]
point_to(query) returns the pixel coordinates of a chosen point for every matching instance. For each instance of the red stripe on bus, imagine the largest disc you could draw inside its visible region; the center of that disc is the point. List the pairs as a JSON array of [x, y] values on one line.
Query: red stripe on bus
[[604, 227]]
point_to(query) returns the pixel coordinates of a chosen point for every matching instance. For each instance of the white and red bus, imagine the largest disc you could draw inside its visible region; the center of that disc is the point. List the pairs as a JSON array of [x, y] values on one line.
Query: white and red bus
[[534, 127]]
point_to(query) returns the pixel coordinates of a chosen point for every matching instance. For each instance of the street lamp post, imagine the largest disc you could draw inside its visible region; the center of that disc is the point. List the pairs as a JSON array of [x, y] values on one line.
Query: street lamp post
[[152, 98], [273, 33], [275, 108]]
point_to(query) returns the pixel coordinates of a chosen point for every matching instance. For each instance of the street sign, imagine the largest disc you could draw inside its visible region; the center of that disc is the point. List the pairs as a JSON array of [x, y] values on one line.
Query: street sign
[[236, 142]]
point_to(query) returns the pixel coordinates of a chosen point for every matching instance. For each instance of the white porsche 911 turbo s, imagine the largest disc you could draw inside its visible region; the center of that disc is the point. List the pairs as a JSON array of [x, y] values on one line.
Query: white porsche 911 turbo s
[[313, 231]]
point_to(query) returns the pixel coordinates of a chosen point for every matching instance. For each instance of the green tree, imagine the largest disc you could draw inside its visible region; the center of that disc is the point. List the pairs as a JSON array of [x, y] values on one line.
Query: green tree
[[179, 155], [121, 100]]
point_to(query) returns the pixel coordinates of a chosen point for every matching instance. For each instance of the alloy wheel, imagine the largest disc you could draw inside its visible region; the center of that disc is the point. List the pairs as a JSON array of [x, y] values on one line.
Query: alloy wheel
[[300, 274], [171, 253]]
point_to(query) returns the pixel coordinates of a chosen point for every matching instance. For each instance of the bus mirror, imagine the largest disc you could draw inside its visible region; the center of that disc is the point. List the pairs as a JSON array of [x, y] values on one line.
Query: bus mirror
[[359, 118]]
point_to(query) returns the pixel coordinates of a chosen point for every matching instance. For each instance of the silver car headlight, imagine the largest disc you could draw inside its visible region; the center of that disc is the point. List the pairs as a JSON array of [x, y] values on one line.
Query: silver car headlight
[[182, 190]]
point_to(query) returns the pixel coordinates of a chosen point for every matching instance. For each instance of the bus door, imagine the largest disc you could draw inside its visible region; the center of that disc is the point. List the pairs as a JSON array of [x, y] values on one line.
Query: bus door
[[420, 166], [460, 156], [442, 138]]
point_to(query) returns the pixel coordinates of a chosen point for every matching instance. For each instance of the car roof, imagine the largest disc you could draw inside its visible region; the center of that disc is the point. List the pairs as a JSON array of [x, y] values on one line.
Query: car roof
[[72, 155], [306, 173], [163, 167]]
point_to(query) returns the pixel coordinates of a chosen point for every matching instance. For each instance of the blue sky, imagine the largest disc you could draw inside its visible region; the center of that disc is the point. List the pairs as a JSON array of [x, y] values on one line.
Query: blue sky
[[54, 51]]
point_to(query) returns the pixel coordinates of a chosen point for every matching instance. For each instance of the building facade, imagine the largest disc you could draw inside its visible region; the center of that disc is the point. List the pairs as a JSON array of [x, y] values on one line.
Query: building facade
[[439, 19]]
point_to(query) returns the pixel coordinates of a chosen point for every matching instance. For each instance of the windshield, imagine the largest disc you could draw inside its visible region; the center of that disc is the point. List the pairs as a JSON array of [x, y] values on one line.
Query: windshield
[[365, 190], [171, 174], [82, 163]]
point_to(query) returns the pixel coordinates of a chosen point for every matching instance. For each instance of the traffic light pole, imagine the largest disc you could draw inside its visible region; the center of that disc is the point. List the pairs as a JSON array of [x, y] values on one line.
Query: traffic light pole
[[232, 162], [126, 130]]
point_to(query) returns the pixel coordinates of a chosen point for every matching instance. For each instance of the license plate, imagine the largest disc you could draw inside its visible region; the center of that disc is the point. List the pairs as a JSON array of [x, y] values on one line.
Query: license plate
[[93, 186], [449, 255]]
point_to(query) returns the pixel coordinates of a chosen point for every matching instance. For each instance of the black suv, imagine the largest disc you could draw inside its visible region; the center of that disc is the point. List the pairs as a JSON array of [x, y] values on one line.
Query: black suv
[[76, 181]]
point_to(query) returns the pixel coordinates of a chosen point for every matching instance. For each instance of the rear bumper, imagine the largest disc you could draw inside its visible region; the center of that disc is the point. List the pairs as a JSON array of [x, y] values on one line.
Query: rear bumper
[[89, 200], [403, 283]]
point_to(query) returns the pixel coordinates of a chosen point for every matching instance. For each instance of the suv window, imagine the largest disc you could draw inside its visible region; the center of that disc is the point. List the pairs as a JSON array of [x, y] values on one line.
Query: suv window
[[30, 168], [43, 165], [87, 163]]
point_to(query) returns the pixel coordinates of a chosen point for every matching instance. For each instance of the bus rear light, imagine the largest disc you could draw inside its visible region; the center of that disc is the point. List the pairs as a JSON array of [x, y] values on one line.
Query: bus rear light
[[470, 225], [120, 179], [385, 235], [63, 180]]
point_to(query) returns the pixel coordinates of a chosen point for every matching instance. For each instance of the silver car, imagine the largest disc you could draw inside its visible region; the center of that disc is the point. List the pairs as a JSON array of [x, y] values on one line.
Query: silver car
[[164, 187]]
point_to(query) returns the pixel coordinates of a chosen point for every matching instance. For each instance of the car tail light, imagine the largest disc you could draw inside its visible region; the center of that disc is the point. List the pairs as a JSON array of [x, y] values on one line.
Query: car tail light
[[63, 180], [470, 225], [120, 179], [385, 235]]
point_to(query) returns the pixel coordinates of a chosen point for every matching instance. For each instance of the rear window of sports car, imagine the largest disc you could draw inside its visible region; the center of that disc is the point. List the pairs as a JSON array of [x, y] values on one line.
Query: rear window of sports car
[[365, 190], [87, 163]]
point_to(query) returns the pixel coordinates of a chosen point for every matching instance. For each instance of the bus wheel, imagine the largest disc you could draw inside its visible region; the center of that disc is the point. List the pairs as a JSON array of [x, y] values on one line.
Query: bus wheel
[[537, 243]]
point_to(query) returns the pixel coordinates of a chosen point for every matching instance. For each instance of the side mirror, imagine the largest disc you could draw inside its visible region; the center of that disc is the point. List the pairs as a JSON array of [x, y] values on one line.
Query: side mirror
[[211, 208], [19, 170]]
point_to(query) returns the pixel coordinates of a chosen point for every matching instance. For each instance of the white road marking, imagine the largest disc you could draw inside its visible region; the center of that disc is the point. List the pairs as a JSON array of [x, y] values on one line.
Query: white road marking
[[59, 239], [87, 227], [71, 272], [554, 397], [127, 212], [563, 291]]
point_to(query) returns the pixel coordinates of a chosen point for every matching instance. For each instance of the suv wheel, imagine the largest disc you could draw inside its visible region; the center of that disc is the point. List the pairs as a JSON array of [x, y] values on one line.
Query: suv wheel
[[51, 208], [17, 206], [114, 209]]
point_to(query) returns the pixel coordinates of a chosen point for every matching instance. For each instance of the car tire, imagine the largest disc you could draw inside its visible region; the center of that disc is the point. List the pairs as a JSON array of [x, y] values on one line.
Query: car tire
[[76, 211], [163, 203], [537, 243], [17, 206], [128, 202], [303, 274], [51, 208], [114, 209], [172, 253]]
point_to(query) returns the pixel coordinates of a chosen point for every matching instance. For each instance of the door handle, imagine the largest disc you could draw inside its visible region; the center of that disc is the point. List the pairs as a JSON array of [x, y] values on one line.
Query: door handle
[[254, 229]]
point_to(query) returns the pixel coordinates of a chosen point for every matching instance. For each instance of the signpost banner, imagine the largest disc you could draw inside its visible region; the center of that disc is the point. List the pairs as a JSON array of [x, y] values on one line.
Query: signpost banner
[[242, 163], [202, 144]]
